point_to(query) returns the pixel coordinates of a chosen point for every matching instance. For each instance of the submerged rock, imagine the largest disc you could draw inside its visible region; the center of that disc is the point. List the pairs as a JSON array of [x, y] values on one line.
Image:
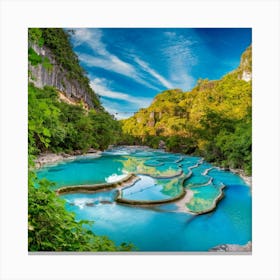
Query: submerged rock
[[90, 204]]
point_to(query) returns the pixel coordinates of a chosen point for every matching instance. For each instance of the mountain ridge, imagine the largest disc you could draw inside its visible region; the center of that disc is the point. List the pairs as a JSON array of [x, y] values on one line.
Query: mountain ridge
[[199, 117], [64, 113]]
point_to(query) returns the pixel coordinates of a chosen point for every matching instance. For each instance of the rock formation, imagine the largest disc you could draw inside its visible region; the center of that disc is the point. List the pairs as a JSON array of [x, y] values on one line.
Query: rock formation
[[57, 77]]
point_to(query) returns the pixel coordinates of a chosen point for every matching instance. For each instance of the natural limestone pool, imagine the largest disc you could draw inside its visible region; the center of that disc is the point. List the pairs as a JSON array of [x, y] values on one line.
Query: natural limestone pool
[[176, 203]]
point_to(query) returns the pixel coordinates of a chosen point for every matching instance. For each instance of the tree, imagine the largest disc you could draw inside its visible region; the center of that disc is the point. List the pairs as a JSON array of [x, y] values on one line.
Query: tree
[[52, 228]]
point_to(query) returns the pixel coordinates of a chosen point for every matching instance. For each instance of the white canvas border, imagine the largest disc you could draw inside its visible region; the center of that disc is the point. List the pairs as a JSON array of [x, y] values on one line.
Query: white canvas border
[[17, 16]]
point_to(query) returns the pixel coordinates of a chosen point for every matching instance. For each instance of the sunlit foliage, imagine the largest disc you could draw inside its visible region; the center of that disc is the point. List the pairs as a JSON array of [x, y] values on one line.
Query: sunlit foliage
[[213, 119]]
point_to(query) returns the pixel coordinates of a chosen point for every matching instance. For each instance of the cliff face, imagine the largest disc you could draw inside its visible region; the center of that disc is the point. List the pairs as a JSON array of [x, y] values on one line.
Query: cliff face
[[245, 67], [56, 77]]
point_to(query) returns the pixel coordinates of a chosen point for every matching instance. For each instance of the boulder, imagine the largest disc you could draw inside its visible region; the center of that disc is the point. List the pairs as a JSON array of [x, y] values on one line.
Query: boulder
[[161, 145]]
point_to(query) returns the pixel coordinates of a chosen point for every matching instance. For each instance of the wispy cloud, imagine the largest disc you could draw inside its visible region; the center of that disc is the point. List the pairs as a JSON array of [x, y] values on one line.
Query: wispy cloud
[[180, 56], [153, 73], [102, 88], [111, 63], [102, 58], [92, 37], [178, 46], [119, 111], [166, 65]]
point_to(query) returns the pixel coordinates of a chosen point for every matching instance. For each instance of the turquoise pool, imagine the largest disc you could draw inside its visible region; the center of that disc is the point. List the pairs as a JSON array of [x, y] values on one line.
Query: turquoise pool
[[162, 176]]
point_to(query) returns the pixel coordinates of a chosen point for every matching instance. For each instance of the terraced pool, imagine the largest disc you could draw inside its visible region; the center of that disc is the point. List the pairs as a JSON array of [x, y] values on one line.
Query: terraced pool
[[178, 203]]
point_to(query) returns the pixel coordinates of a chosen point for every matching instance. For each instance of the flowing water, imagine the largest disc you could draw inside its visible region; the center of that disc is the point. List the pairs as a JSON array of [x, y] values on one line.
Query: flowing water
[[161, 176]]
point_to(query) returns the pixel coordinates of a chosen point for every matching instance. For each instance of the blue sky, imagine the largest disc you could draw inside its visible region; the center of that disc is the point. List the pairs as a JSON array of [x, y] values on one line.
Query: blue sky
[[128, 67]]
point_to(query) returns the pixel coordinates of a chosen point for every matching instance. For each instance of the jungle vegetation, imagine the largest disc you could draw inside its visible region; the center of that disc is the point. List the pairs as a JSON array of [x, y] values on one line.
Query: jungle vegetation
[[213, 120], [55, 126]]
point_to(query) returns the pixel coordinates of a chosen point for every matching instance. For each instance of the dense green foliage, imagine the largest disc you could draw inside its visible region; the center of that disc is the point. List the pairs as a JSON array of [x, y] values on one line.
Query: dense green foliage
[[213, 119], [61, 127], [34, 58], [52, 228], [57, 126], [57, 40], [35, 35]]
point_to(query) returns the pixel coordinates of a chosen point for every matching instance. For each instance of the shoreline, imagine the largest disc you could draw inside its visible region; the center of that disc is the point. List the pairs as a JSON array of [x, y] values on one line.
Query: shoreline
[[241, 173], [232, 248], [49, 158]]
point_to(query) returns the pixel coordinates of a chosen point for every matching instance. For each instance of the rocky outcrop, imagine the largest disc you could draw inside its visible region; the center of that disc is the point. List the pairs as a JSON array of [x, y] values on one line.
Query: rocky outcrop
[[51, 158], [245, 68], [246, 76], [161, 144], [233, 248], [241, 173], [56, 77], [152, 121]]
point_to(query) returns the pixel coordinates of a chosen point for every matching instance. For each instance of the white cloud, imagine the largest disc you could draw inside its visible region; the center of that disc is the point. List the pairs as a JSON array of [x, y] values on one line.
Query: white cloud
[[92, 37], [103, 59], [178, 46], [183, 80], [170, 34], [115, 110], [111, 63], [152, 72], [178, 51], [100, 87]]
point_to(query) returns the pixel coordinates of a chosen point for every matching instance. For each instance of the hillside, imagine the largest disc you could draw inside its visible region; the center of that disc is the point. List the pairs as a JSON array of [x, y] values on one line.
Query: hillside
[[64, 113], [52, 62], [213, 119], [65, 117]]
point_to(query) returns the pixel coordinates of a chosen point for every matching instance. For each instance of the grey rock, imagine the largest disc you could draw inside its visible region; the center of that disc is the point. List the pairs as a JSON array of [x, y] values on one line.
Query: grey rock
[[56, 77]]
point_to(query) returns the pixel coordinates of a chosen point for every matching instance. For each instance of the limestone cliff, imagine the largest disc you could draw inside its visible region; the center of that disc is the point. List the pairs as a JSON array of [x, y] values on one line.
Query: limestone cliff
[[245, 68], [56, 77], [55, 74]]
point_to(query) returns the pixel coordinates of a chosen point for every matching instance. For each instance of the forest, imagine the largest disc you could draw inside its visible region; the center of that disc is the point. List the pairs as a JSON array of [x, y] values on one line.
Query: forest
[[213, 120], [55, 126]]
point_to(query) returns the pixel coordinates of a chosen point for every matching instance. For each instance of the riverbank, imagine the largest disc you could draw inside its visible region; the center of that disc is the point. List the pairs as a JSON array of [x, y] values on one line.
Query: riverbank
[[52, 158], [241, 173]]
